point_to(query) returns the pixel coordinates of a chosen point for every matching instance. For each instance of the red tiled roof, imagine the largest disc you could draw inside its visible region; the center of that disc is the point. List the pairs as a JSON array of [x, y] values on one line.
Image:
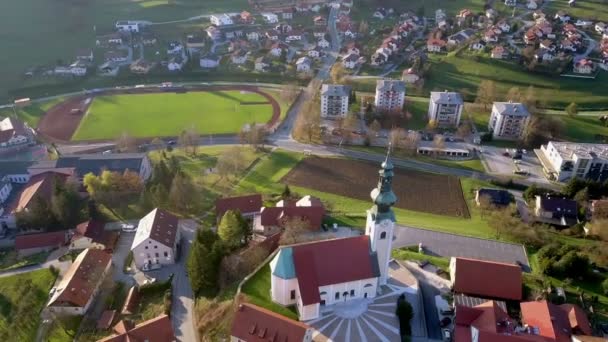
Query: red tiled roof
[[77, 286], [106, 319], [52, 239], [93, 230], [273, 216], [245, 204], [39, 186], [10, 127], [552, 321], [578, 319], [255, 324], [488, 279], [157, 329], [332, 262], [131, 301]]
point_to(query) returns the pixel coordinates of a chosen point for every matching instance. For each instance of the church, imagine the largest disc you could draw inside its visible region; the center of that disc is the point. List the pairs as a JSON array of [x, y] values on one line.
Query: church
[[317, 274]]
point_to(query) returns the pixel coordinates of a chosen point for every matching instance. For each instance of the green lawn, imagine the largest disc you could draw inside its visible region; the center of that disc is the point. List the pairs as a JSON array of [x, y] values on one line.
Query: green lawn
[[419, 108], [10, 260], [47, 39], [595, 10], [32, 113], [265, 176], [257, 290], [411, 253], [22, 297], [64, 329], [365, 7], [167, 114], [581, 128]]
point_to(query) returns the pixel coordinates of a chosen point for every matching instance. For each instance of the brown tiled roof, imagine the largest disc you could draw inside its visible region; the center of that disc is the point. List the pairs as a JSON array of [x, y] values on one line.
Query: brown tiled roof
[[13, 127], [131, 301], [245, 204], [255, 324], [39, 186], [162, 229], [157, 329], [332, 262], [52, 239], [488, 279], [93, 230], [107, 317], [556, 322], [274, 216], [77, 286]]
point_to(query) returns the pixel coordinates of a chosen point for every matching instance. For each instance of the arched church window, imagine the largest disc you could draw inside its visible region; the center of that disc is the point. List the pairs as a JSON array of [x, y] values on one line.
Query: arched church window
[[382, 235]]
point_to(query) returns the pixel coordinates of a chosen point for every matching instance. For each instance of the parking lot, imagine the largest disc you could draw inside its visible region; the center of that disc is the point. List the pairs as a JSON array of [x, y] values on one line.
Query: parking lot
[[451, 245], [498, 162]]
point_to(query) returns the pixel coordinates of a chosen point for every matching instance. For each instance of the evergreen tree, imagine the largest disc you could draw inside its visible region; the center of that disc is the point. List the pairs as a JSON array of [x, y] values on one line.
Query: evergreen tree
[[231, 230], [286, 192], [203, 262]]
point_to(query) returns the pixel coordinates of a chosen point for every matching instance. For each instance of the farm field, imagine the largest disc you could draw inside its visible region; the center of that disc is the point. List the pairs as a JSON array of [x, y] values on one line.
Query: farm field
[[23, 297], [45, 39], [435, 194], [167, 114]]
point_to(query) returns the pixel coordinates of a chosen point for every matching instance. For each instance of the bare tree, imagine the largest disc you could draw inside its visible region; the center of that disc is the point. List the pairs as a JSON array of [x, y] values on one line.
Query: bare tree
[[337, 73], [126, 143], [289, 92], [294, 230], [308, 123], [189, 140], [514, 94], [438, 143], [230, 162], [395, 137], [410, 144], [486, 93], [464, 130], [363, 27]]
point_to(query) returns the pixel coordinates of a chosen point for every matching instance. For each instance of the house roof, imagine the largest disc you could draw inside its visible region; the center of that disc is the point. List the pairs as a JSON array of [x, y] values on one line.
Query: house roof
[[558, 205], [106, 319], [283, 266], [510, 108], [578, 319], [552, 321], [446, 97], [158, 225], [252, 323], [77, 286], [157, 329], [330, 262], [335, 90], [39, 186], [96, 163], [14, 167], [273, 216], [11, 127], [41, 240], [496, 196], [131, 301], [390, 85], [244, 204], [91, 229], [503, 281]]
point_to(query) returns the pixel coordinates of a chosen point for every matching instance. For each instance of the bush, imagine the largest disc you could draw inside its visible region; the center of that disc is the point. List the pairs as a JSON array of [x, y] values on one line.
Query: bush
[[167, 301], [157, 287], [605, 286]]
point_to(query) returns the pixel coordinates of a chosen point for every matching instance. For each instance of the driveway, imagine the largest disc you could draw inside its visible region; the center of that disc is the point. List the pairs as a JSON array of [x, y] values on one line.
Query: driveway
[[451, 245], [121, 250]]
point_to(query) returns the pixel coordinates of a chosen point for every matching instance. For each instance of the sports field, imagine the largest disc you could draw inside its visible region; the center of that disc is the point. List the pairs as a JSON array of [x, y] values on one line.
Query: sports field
[[167, 114]]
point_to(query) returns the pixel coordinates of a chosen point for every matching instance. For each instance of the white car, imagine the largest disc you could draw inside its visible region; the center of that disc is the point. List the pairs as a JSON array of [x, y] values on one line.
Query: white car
[[128, 227], [150, 267]]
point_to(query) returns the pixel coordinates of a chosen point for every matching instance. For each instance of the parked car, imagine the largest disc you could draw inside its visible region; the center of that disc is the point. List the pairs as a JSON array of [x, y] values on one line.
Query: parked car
[[150, 267], [506, 154], [128, 227], [521, 172]]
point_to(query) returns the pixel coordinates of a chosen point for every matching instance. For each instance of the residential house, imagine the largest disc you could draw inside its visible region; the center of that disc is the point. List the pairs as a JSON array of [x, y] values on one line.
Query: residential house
[[435, 45], [109, 69], [304, 64], [409, 76], [116, 56], [157, 329], [564, 160], [209, 61], [283, 28], [128, 26], [78, 68], [334, 101], [156, 240], [466, 276], [498, 52], [270, 220], [214, 33], [141, 66], [81, 164], [532, 5], [319, 32], [547, 45], [174, 48], [277, 49], [562, 16], [239, 56], [538, 14], [504, 26], [270, 18], [195, 42], [323, 43], [84, 55], [583, 23], [440, 15], [477, 45], [262, 64], [600, 27], [462, 16], [544, 56], [91, 234], [147, 38], [390, 95], [30, 244], [294, 35], [109, 39], [80, 285], [584, 66], [530, 37], [555, 322], [509, 120], [381, 56], [176, 63], [556, 211], [350, 61], [287, 13], [252, 323], [490, 36], [247, 18], [248, 205], [445, 108], [221, 19], [491, 13], [494, 197], [6, 187], [319, 21], [380, 13], [253, 36], [315, 53], [460, 37], [15, 133], [511, 3], [272, 34], [567, 45], [488, 321]]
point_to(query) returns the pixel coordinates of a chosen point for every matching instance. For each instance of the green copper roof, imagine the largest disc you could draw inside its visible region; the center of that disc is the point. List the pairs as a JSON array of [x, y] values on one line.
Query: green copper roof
[[282, 265]]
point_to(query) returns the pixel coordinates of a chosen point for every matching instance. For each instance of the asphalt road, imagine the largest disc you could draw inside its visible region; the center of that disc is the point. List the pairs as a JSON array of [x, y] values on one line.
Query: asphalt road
[[431, 315]]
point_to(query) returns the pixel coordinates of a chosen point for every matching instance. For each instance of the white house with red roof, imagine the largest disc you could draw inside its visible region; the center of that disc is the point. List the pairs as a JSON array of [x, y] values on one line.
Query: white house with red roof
[[252, 323], [156, 240], [317, 274]]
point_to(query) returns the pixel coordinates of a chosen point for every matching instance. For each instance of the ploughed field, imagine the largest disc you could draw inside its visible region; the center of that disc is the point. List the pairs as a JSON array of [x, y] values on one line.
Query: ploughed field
[[416, 191]]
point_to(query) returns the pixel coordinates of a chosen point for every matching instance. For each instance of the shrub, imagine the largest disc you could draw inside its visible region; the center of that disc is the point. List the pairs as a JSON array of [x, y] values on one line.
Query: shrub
[[167, 301], [605, 286]]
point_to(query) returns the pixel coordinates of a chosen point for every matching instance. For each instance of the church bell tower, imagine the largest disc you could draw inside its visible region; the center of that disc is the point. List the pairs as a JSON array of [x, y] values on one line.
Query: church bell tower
[[381, 218]]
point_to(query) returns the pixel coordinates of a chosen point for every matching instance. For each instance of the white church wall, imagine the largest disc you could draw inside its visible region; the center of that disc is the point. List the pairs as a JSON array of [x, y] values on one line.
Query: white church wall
[[281, 290], [352, 289]]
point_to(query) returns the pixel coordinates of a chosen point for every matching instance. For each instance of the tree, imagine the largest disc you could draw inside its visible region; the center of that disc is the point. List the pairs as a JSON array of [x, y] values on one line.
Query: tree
[[232, 229], [530, 99], [181, 196], [38, 215], [486, 93], [337, 73], [286, 192], [514, 94], [438, 143], [308, 122], [189, 140], [126, 143], [352, 122], [395, 136], [572, 109], [256, 135], [66, 204], [464, 130], [410, 144], [230, 162], [540, 130], [294, 230], [363, 27], [203, 262], [289, 92]]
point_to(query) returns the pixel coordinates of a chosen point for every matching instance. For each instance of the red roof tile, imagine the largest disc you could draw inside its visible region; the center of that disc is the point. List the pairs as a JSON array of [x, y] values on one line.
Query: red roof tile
[[52, 239], [245, 204], [332, 262], [255, 324], [551, 320], [131, 301], [106, 319], [39, 186], [578, 319], [488, 279], [157, 329], [93, 230]]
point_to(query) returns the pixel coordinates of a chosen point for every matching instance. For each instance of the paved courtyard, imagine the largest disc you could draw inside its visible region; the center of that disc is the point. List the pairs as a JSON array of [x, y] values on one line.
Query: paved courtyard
[[451, 245], [370, 320]]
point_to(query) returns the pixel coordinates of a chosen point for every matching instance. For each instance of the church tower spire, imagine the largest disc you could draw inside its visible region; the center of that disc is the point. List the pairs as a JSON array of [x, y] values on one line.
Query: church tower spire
[[381, 218]]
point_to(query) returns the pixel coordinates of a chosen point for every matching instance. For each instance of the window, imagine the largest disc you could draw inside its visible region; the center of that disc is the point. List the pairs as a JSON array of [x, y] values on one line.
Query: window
[[146, 247], [365, 295], [337, 295], [382, 235], [156, 254], [352, 293], [293, 294], [368, 285], [155, 247], [166, 254]]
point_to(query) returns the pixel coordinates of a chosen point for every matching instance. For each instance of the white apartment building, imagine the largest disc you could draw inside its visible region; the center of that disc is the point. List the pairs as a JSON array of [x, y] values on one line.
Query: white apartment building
[[334, 101], [564, 160], [156, 240], [221, 19], [508, 120], [390, 95], [445, 108]]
